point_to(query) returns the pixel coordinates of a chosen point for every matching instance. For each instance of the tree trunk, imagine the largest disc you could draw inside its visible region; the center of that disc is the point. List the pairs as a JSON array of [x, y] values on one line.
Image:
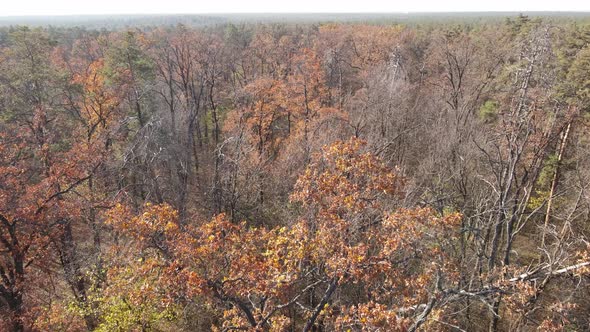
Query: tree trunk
[[554, 181]]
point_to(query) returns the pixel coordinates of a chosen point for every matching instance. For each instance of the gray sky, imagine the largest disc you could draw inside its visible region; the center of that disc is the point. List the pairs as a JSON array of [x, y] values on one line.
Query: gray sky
[[72, 7]]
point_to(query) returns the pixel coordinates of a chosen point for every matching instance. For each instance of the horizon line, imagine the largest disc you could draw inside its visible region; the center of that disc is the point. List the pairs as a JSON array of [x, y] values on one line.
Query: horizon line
[[303, 13]]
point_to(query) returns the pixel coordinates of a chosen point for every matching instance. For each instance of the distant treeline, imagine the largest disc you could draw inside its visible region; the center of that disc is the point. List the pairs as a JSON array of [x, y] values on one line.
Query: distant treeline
[[200, 20]]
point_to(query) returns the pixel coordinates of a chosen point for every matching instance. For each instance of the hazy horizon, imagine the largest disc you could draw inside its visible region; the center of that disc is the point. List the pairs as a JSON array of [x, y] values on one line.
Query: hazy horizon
[[425, 12], [176, 7], [117, 21]]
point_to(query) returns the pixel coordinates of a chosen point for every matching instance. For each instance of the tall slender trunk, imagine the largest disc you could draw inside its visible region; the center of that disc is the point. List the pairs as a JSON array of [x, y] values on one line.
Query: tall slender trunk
[[554, 181], [73, 272]]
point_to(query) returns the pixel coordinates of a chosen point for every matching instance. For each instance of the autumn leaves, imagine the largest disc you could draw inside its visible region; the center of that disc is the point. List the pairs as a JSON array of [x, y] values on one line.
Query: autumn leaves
[[347, 235]]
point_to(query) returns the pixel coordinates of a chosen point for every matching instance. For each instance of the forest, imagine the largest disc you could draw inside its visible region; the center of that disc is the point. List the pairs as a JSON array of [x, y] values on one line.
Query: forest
[[335, 176]]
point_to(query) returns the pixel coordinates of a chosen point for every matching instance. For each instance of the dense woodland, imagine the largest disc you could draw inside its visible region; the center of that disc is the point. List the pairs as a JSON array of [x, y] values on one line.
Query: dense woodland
[[296, 177]]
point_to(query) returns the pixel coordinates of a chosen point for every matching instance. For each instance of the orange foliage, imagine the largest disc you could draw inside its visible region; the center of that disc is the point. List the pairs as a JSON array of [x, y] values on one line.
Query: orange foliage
[[99, 104], [350, 237]]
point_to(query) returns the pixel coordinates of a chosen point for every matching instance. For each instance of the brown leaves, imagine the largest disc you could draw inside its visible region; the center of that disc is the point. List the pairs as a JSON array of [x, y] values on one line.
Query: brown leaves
[[100, 101], [371, 316], [343, 178], [350, 236]]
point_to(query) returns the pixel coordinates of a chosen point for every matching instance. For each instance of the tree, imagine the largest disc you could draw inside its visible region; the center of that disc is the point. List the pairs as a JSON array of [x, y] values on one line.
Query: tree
[[347, 237], [41, 169]]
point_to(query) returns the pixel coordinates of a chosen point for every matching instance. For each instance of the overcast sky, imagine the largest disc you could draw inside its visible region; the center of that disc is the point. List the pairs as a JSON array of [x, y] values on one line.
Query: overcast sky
[[75, 7]]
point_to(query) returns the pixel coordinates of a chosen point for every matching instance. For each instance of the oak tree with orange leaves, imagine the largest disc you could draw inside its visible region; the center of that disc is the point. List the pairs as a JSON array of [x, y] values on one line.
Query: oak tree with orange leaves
[[350, 236]]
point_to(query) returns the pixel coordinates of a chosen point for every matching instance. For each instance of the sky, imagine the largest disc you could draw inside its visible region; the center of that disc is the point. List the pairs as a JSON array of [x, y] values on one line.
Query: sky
[[84, 7]]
